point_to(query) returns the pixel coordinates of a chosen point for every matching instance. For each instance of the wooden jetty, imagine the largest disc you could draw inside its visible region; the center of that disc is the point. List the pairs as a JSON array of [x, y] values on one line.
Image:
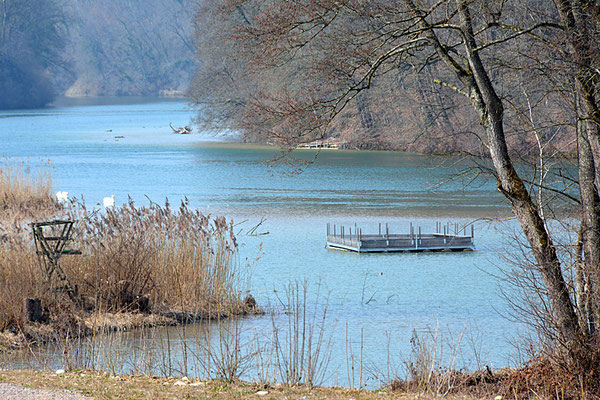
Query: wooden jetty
[[344, 238]]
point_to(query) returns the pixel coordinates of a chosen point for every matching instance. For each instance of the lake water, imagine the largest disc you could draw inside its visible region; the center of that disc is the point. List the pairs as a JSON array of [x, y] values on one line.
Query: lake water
[[126, 148]]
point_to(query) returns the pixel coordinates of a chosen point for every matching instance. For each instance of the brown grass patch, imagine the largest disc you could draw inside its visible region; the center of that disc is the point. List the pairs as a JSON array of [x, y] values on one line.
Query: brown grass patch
[[540, 378], [116, 322], [104, 386]]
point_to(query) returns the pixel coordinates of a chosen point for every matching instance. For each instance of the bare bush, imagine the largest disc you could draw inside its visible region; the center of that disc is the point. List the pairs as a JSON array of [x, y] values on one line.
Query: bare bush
[[303, 347]]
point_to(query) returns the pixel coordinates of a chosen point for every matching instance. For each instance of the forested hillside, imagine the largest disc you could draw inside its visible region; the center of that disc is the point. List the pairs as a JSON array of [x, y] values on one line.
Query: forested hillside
[[296, 83], [129, 48], [32, 38], [93, 48]]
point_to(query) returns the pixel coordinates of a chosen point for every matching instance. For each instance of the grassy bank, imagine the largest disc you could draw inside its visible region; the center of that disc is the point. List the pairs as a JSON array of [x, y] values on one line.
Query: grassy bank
[[517, 384], [104, 386]]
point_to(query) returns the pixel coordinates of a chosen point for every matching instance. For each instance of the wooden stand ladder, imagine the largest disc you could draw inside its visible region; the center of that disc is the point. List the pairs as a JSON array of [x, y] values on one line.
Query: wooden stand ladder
[[51, 248]]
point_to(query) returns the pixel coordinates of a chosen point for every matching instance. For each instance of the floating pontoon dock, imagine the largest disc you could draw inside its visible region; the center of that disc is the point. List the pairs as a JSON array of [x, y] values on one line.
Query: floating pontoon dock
[[344, 238]]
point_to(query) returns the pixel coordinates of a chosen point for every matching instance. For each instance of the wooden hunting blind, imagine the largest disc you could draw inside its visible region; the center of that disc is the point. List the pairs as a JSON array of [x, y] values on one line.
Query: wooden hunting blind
[[51, 239]]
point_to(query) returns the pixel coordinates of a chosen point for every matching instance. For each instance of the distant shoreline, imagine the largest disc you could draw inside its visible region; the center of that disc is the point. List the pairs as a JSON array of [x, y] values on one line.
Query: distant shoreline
[[67, 101]]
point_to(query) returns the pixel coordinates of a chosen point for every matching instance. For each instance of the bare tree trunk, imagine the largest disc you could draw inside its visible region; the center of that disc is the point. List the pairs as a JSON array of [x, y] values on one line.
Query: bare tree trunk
[[578, 40], [488, 105], [581, 285], [490, 109], [590, 204]]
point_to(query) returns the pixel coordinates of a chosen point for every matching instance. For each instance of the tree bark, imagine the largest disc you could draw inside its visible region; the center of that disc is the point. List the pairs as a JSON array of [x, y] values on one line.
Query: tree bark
[[488, 105], [578, 38], [490, 109], [590, 208]]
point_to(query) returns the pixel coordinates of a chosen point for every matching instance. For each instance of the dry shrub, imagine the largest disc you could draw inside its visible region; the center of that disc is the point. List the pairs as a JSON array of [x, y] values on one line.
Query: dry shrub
[[540, 378], [543, 378], [432, 364]]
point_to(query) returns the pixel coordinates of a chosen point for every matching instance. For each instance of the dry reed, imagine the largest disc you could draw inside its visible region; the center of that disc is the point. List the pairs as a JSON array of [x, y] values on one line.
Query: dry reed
[[178, 262], [25, 190], [137, 258]]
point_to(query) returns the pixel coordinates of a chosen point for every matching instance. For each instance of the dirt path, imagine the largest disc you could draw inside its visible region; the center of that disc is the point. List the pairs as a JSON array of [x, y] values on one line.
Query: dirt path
[[8, 391]]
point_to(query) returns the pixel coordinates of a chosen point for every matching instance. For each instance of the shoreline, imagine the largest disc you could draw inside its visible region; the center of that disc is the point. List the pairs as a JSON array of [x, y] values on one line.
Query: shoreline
[[36, 334]]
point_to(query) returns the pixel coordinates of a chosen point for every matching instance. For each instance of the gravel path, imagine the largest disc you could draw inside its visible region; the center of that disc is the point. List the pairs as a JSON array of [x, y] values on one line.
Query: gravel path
[[8, 391]]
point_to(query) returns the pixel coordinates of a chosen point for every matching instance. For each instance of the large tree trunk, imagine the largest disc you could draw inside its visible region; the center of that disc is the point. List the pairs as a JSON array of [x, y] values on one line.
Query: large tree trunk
[[590, 204], [579, 40], [490, 108]]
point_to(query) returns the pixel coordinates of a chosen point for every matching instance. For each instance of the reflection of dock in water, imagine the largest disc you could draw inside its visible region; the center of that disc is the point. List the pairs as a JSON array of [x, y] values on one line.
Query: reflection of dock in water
[[343, 238]]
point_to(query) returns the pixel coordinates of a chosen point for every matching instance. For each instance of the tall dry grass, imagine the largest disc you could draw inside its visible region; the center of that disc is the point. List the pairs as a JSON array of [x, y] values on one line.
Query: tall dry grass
[[154, 256], [25, 190], [25, 194], [150, 258]]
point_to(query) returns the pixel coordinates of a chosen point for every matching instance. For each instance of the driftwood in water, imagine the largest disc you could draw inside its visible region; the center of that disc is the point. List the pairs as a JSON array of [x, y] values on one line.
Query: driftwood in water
[[182, 130]]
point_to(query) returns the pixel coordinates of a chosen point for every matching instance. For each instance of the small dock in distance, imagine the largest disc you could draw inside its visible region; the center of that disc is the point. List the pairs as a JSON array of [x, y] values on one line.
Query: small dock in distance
[[344, 238]]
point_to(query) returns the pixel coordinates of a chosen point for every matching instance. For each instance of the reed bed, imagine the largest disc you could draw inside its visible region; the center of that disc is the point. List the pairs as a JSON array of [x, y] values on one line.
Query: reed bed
[[154, 259], [25, 194], [25, 190]]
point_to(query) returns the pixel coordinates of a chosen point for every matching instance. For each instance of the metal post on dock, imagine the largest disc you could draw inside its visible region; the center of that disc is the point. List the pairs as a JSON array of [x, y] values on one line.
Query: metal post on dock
[[380, 229], [445, 235], [472, 231], [387, 231]]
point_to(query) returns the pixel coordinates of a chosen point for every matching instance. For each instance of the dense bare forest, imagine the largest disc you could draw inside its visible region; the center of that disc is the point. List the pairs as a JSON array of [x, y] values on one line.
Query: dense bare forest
[[32, 39], [409, 104], [498, 79], [92, 48], [129, 48]]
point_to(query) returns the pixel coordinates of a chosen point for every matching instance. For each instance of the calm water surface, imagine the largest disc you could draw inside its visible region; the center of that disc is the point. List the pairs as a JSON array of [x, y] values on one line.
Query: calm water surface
[[113, 147]]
